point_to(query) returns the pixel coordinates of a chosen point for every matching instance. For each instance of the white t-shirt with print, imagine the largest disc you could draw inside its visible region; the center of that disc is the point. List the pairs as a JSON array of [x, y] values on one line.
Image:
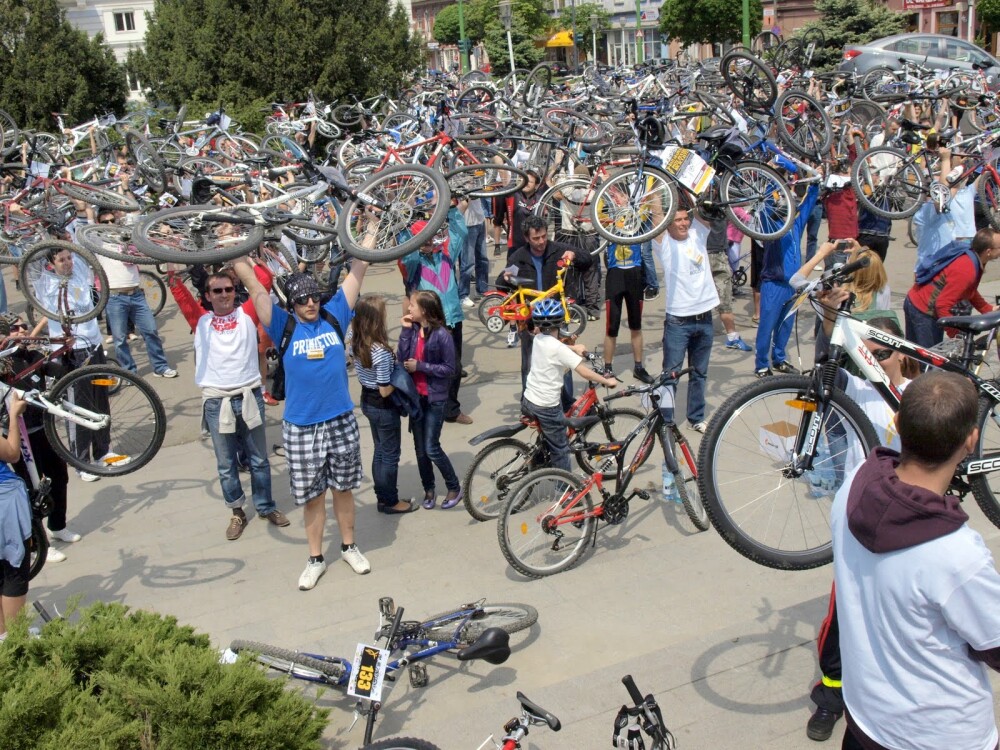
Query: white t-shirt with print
[[225, 348], [687, 273], [550, 358]]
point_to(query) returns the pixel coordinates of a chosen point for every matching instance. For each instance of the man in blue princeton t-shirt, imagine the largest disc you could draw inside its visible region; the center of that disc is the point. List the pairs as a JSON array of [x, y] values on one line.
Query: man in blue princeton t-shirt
[[321, 437]]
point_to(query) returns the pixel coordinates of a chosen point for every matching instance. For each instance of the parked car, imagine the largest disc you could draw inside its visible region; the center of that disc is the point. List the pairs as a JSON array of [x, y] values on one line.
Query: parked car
[[935, 51]]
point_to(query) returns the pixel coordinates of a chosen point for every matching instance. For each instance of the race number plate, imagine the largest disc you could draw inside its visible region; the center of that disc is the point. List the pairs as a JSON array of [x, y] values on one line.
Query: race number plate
[[687, 167], [368, 673]]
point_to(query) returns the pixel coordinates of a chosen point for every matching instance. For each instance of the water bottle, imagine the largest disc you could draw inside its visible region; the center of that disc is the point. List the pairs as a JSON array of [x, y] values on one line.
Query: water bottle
[[669, 486], [823, 476]]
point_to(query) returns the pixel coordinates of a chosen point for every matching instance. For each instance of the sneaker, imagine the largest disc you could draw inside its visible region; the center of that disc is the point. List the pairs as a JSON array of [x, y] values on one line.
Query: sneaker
[[65, 535], [785, 367], [739, 343], [133, 337], [640, 374], [236, 526], [650, 293], [87, 477], [276, 517], [269, 399], [463, 419], [511, 339], [820, 725], [170, 372], [593, 316], [55, 556], [764, 372], [353, 557], [698, 426], [466, 302], [311, 575]]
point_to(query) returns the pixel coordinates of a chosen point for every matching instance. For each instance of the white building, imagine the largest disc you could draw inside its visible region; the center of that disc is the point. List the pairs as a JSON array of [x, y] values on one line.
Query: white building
[[123, 23]]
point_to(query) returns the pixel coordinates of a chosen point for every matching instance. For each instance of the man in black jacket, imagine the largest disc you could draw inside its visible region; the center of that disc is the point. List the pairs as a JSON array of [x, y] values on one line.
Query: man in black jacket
[[537, 258]]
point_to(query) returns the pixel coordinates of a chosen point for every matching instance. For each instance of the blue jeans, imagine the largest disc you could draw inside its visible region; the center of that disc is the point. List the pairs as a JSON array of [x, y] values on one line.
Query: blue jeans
[[684, 337], [921, 328], [386, 435], [648, 267], [427, 445], [133, 307], [772, 332], [253, 443], [475, 258], [813, 224], [3, 294], [552, 422]]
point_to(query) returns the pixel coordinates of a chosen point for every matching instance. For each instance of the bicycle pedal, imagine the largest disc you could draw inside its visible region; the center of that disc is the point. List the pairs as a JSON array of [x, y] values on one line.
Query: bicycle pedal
[[418, 675], [643, 495]]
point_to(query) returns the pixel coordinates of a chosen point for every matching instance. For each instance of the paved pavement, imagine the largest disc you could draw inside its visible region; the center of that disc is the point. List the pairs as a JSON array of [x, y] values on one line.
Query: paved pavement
[[727, 647]]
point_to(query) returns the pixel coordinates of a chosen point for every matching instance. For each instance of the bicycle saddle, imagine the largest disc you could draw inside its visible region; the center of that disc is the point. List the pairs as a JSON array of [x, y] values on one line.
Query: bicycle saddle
[[911, 125], [973, 323], [714, 135], [523, 281], [533, 708], [580, 423], [258, 158], [493, 645]]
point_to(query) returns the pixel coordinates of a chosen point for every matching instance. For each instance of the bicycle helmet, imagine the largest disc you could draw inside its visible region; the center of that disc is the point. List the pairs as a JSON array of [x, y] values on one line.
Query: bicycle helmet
[[651, 132], [547, 313]]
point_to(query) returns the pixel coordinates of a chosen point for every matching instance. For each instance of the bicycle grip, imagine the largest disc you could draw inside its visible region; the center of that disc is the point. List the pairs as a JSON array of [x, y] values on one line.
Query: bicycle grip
[[633, 691]]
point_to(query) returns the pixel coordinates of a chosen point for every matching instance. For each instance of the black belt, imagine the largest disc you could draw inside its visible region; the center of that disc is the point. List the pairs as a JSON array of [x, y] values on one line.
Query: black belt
[[693, 318]]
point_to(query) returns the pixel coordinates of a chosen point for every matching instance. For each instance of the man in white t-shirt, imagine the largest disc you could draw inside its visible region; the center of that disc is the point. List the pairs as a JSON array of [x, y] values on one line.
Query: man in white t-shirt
[[691, 297], [918, 595]]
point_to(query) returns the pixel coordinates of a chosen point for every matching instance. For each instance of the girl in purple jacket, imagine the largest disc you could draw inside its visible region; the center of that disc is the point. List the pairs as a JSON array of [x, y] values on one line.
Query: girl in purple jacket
[[427, 352]]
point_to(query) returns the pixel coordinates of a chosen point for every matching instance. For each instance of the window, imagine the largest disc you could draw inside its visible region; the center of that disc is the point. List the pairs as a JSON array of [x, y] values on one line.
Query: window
[[124, 21], [915, 45], [947, 23]]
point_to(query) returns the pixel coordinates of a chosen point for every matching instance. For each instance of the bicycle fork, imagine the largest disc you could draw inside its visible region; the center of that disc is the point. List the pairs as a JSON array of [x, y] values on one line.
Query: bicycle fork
[[71, 412]]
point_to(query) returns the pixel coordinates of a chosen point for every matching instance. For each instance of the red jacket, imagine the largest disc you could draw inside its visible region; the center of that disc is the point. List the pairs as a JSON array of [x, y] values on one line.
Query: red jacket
[[193, 311], [841, 208], [958, 281]]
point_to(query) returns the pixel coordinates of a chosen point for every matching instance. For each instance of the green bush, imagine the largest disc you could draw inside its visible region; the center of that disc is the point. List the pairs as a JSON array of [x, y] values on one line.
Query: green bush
[[112, 679]]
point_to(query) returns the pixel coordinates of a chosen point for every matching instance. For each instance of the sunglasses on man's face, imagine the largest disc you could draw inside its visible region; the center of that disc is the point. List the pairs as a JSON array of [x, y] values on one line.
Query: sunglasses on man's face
[[106, 221], [306, 298], [883, 354], [223, 290]]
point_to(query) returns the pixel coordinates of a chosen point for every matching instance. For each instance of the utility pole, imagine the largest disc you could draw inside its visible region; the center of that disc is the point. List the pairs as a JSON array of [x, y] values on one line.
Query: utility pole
[[576, 49], [463, 44], [746, 24], [639, 56]]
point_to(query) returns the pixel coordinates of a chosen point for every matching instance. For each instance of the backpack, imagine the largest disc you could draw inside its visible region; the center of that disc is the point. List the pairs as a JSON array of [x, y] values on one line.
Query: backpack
[[278, 378], [929, 267]]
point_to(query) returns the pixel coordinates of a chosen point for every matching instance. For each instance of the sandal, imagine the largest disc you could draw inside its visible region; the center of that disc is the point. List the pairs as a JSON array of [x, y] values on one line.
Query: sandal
[[755, 319], [430, 499]]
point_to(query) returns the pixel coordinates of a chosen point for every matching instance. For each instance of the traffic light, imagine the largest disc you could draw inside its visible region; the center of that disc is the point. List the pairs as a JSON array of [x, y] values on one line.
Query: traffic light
[[578, 39], [465, 45]]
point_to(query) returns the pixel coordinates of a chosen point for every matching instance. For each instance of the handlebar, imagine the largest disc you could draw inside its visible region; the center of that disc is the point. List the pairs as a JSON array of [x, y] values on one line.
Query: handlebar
[[633, 691], [658, 383]]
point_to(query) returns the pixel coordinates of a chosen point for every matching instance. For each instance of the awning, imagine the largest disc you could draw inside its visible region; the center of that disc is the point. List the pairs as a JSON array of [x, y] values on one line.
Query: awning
[[560, 39]]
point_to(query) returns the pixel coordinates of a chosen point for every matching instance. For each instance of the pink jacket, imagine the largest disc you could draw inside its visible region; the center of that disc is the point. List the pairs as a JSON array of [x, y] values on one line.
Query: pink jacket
[[732, 233]]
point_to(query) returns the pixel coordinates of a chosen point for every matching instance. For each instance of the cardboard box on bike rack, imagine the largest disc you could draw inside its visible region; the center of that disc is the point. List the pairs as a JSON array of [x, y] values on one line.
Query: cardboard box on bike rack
[[778, 439]]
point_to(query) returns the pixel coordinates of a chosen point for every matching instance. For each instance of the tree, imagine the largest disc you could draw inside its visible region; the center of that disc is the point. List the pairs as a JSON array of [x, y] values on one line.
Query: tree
[[48, 66], [708, 21], [846, 22], [252, 51], [482, 21], [446, 26], [583, 13], [989, 16]]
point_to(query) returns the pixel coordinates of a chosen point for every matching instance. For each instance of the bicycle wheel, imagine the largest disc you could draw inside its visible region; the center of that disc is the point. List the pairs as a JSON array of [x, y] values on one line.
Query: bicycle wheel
[[569, 122], [538, 534], [67, 295], [10, 131], [686, 481], [401, 743], [111, 241], [988, 190], [284, 660], [984, 117], [492, 473], [154, 289], [536, 85], [309, 233], [576, 320], [621, 210], [480, 99], [345, 115], [510, 618], [986, 487], [196, 234], [37, 548], [616, 425], [486, 180], [405, 196], [876, 82], [97, 196], [761, 510], [488, 300], [136, 421], [802, 124], [749, 79], [148, 162], [762, 193], [888, 182]]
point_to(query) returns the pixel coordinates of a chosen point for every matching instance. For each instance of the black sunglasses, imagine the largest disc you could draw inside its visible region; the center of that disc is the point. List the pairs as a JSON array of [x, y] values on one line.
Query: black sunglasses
[[223, 290], [305, 298], [883, 354], [106, 221]]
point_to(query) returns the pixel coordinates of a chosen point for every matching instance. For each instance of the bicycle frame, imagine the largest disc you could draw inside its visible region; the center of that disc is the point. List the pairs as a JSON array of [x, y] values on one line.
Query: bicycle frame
[[516, 306]]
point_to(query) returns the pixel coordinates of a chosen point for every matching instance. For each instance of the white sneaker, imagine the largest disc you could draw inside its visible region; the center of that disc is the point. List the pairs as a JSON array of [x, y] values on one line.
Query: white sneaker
[[65, 535], [358, 562], [111, 457], [311, 575], [466, 302], [170, 372], [87, 477], [511, 339], [54, 556]]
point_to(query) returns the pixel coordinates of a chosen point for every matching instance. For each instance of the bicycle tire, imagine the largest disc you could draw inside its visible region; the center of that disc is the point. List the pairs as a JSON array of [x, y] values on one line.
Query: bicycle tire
[[345, 115], [874, 81], [488, 300], [401, 743], [177, 235], [983, 117], [477, 99], [34, 273], [284, 660], [154, 289], [750, 80], [576, 320], [802, 124], [523, 528], [736, 497], [108, 239], [486, 180], [510, 618], [137, 420], [988, 445], [37, 547], [148, 162], [620, 208], [762, 193], [988, 190], [888, 183], [502, 463], [536, 85], [616, 425], [410, 194], [9, 129], [98, 196], [686, 483], [309, 233], [476, 126], [568, 122]]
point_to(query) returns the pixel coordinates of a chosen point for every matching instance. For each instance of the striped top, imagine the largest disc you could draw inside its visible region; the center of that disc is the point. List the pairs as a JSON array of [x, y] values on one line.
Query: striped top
[[380, 371]]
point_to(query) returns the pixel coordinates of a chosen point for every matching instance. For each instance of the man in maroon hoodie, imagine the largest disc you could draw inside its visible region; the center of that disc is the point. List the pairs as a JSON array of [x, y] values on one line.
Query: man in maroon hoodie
[[918, 595]]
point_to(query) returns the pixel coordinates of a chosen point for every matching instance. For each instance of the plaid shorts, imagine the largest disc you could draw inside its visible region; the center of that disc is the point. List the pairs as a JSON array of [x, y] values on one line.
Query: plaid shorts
[[327, 454]]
